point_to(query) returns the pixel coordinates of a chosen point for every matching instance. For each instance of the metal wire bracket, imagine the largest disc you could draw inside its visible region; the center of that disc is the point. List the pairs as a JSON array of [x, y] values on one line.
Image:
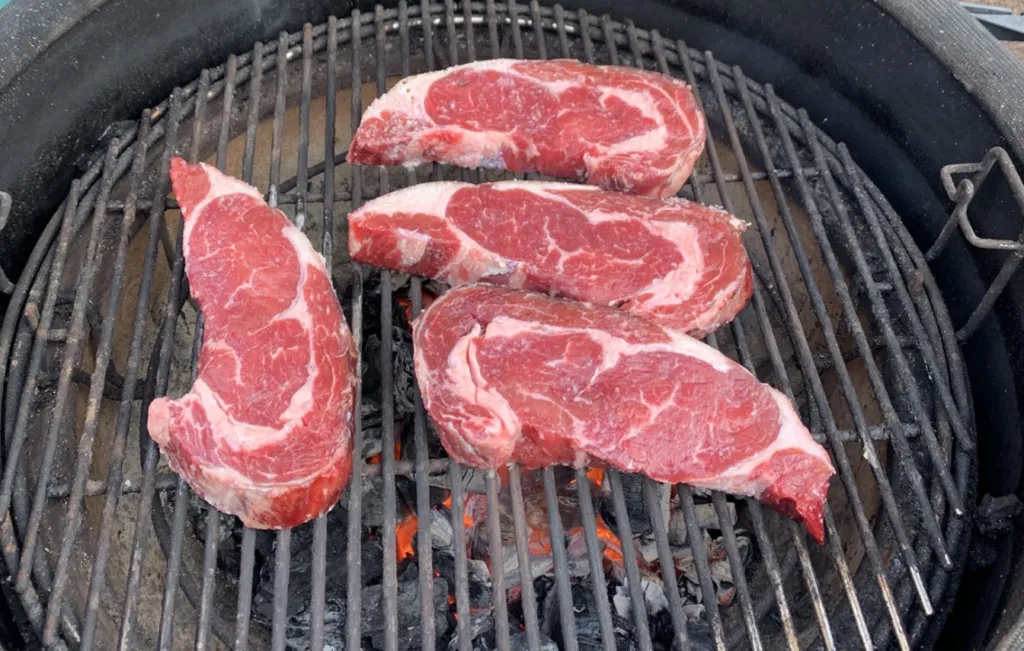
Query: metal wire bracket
[[6, 286], [963, 193]]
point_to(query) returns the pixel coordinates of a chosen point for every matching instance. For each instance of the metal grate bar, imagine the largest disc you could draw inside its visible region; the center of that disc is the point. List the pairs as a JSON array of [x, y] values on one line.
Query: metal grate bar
[[719, 500], [39, 343], [764, 543], [936, 327], [557, 536], [883, 317], [529, 597], [871, 547], [757, 515], [738, 576], [625, 533], [938, 458], [319, 574], [212, 535], [355, 489], [791, 312], [424, 539], [282, 552], [114, 474], [695, 535], [70, 358], [467, 23], [538, 29], [85, 448], [248, 560], [492, 29], [514, 30], [594, 556], [461, 571], [173, 568], [302, 173], [838, 452], [497, 563], [318, 599], [151, 454], [779, 368], [183, 493], [453, 36]]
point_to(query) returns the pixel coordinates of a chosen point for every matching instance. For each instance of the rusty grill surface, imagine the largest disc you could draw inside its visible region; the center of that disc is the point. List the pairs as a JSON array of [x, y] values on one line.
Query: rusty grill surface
[[845, 320]]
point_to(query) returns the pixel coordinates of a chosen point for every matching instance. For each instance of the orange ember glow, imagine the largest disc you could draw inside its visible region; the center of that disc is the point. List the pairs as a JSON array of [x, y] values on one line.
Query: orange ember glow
[[404, 533], [406, 304], [612, 547], [467, 520], [377, 459], [596, 476], [539, 542]]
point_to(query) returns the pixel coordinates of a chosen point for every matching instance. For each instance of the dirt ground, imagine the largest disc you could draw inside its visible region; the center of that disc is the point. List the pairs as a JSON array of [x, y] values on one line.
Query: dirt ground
[[1017, 6]]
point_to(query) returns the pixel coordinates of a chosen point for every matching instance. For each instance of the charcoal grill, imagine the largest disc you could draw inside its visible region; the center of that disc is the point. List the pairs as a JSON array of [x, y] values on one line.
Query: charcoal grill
[[109, 550]]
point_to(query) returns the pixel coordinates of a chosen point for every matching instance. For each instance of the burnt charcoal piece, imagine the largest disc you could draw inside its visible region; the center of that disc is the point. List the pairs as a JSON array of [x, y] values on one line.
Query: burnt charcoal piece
[[481, 632], [300, 581], [408, 613], [479, 584], [699, 634], [520, 642], [373, 503], [636, 505], [371, 618], [401, 347], [588, 626], [996, 514]]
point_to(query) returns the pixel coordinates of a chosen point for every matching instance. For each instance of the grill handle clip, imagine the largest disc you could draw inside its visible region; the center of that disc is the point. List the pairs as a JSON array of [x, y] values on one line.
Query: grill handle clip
[[962, 193]]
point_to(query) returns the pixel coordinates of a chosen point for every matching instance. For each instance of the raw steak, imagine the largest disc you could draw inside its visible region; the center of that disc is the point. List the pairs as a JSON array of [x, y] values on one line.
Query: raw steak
[[265, 433], [620, 128], [675, 261], [516, 376]]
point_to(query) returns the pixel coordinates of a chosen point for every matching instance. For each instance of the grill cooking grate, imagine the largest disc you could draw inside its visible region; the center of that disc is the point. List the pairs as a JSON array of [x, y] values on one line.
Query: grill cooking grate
[[845, 319]]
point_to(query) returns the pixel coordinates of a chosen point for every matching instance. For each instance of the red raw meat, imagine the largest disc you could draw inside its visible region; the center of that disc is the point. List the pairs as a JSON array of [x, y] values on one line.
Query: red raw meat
[[266, 431], [675, 261], [620, 128], [516, 376]]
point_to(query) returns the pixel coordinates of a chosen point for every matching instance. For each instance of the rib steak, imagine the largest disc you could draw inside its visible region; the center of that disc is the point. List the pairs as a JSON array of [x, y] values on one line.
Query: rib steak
[[620, 128], [265, 433], [516, 376], [675, 261]]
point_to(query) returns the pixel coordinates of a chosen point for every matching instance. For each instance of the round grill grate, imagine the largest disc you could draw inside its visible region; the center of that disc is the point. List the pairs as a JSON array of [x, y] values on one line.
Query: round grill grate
[[110, 548]]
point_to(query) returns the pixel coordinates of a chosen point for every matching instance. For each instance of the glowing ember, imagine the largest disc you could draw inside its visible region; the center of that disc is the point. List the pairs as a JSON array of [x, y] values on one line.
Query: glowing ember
[[406, 304], [539, 542], [404, 533], [377, 459], [596, 476], [467, 519], [612, 547]]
